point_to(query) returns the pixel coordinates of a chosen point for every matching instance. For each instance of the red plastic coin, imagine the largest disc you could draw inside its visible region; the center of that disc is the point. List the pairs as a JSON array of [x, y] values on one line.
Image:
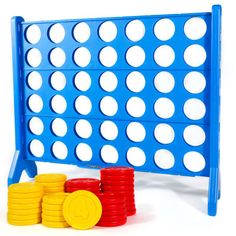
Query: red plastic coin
[[113, 218], [131, 212], [83, 182], [117, 170], [112, 182], [113, 207], [118, 188], [111, 224], [114, 212]]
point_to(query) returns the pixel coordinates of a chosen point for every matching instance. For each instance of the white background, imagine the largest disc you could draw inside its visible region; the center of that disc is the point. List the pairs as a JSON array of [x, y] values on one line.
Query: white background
[[166, 205]]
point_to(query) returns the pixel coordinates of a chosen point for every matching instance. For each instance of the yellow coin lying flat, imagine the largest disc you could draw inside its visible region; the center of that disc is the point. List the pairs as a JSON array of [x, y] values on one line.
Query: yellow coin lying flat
[[52, 213], [53, 190], [22, 218], [54, 224], [45, 178], [53, 218], [55, 198], [24, 212], [24, 201], [51, 207], [24, 206], [26, 187], [82, 209], [53, 184], [24, 222], [25, 195]]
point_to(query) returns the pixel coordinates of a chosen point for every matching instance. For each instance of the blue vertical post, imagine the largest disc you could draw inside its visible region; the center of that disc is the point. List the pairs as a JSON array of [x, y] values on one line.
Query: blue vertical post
[[19, 163], [214, 181]]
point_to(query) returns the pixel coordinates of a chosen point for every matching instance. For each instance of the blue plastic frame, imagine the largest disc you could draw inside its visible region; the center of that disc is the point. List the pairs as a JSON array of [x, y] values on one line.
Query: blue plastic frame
[[24, 160]]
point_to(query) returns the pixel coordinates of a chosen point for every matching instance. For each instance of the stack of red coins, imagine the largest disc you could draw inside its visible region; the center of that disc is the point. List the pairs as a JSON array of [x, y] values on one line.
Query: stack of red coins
[[120, 180], [113, 210], [89, 184]]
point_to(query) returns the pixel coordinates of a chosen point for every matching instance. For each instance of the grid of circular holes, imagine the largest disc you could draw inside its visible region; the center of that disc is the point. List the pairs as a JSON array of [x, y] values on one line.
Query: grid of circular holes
[[195, 28], [135, 30], [58, 104], [59, 127], [82, 81], [109, 130], [164, 108], [107, 31], [135, 107], [194, 109], [84, 152], [33, 34], [194, 82], [164, 82], [194, 161], [34, 80], [135, 56], [164, 159], [57, 57], [164, 29], [81, 32], [108, 106], [108, 56], [36, 126], [109, 154], [36, 148], [136, 156], [56, 33], [58, 81], [108, 81], [195, 55], [135, 82], [136, 132], [164, 56], [34, 57], [194, 135], [164, 133], [83, 105], [59, 150], [83, 128], [82, 57], [35, 103]]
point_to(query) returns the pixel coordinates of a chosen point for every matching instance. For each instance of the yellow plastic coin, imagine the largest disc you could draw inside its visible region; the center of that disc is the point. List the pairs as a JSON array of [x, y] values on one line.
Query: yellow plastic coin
[[45, 178], [21, 217], [55, 198], [82, 209], [26, 187], [51, 224], [53, 218], [24, 212], [53, 184], [53, 190], [51, 207], [25, 195], [24, 201], [24, 222], [24, 206], [52, 213]]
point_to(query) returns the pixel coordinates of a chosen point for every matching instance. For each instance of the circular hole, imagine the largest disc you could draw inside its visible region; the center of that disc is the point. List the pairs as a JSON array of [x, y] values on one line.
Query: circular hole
[[36, 148], [82, 57], [164, 159], [164, 29], [109, 130], [59, 150], [195, 55], [34, 57], [195, 28], [136, 132], [135, 30], [164, 108], [82, 81], [135, 82], [194, 82], [56, 33], [109, 154], [194, 135], [58, 81], [83, 129], [36, 126], [164, 56], [81, 32], [108, 56], [59, 127], [35, 103], [58, 104], [33, 34], [83, 105], [84, 152], [108, 31], [57, 57], [136, 156], [34, 80], [108, 81], [194, 109], [135, 107], [108, 106], [135, 56], [164, 133], [194, 161], [164, 82]]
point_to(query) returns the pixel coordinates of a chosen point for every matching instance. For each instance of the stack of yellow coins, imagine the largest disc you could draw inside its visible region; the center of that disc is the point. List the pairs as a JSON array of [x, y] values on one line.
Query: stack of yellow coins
[[24, 204], [52, 183], [52, 210]]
